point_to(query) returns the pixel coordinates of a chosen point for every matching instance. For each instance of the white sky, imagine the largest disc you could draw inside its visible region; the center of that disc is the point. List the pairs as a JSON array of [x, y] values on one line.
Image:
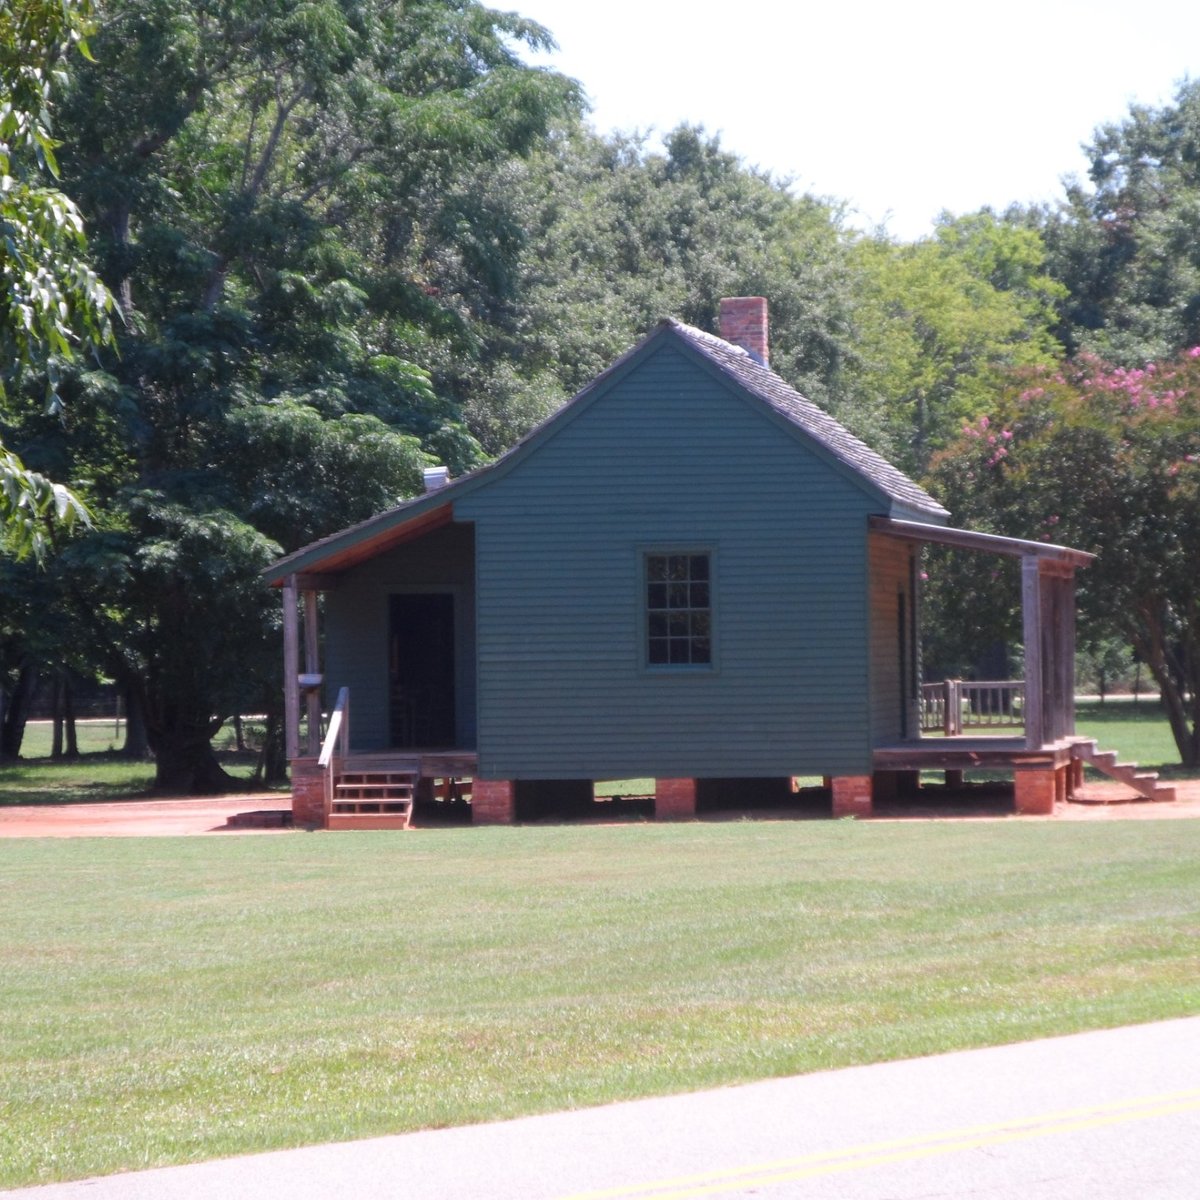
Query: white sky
[[901, 109]]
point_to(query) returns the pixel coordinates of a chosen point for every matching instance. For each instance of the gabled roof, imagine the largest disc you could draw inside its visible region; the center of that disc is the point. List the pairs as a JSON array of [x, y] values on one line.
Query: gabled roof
[[751, 379], [763, 383]]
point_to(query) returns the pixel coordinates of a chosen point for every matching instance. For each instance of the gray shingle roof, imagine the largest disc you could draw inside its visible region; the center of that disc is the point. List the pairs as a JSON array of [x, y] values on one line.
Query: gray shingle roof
[[814, 421], [753, 378]]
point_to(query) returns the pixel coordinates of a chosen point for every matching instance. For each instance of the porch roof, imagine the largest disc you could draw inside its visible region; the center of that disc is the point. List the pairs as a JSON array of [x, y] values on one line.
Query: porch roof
[[993, 543], [319, 563]]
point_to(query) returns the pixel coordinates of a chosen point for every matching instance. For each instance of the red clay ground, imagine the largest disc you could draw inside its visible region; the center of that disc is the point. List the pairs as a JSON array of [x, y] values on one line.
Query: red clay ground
[[209, 815], [139, 818]]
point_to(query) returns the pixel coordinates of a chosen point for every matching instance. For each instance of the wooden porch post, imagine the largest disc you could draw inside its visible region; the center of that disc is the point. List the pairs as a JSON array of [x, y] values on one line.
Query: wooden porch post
[[312, 666], [1031, 613], [1066, 649], [291, 670]]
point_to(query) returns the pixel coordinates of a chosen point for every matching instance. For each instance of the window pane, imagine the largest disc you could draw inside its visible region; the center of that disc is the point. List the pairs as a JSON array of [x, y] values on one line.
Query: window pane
[[678, 610]]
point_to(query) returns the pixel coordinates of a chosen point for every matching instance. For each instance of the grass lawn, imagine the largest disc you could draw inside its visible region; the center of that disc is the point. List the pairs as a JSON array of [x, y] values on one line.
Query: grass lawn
[[99, 773], [169, 1000], [1139, 731]]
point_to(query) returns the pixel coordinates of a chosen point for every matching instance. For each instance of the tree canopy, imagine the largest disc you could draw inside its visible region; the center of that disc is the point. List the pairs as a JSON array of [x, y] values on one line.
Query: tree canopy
[[1106, 459], [52, 303], [349, 238], [1126, 247], [271, 194]]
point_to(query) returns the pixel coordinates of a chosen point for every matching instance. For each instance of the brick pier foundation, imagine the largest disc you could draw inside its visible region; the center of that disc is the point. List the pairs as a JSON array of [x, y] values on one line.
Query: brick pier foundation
[[674, 799], [493, 802], [852, 796]]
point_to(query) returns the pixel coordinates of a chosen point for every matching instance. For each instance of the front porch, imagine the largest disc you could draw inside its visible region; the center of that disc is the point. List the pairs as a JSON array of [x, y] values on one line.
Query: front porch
[[1042, 776], [340, 788], [1023, 727]]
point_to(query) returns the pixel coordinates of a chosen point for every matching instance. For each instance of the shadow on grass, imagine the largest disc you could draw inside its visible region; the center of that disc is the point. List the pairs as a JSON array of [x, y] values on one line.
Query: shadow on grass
[[97, 778]]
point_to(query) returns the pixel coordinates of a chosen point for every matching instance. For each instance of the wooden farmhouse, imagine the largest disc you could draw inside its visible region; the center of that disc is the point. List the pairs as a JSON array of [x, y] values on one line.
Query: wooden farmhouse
[[689, 574]]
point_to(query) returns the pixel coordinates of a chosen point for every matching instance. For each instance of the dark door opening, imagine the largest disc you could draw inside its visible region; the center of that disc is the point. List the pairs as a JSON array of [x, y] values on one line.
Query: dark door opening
[[421, 670]]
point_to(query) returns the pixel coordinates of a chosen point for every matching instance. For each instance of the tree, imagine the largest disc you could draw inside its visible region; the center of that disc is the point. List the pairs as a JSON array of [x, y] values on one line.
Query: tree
[[612, 236], [940, 321], [1126, 247], [1108, 460], [51, 301], [272, 194]]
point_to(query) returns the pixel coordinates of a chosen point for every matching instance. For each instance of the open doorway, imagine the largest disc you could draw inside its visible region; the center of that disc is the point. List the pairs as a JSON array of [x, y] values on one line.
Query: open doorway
[[421, 670]]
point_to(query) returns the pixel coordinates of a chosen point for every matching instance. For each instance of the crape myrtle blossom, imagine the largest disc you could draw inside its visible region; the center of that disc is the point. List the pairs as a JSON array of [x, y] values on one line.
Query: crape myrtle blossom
[[1107, 459]]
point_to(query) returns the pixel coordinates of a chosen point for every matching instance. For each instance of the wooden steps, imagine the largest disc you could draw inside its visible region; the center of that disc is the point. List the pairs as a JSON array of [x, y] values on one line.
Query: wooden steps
[[1146, 783], [373, 794]]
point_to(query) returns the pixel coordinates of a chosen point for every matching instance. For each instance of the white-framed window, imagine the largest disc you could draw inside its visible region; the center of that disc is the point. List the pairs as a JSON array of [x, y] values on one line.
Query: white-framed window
[[678, 608]]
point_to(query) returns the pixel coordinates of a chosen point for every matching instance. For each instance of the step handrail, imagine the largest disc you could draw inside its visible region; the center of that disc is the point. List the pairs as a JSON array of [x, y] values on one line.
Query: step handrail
[[336, 745]]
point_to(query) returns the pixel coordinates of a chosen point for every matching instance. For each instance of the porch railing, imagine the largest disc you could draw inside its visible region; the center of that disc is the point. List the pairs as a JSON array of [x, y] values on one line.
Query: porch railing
[[954, 705], [336, 746]]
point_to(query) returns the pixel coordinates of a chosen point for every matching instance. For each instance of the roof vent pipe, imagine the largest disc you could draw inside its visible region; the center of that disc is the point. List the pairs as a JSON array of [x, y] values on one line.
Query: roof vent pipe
[[744, 324], [436, 478]]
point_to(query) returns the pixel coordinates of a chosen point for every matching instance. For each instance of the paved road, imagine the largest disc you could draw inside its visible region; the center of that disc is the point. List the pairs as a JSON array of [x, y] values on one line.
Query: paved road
[[1102, 1116]]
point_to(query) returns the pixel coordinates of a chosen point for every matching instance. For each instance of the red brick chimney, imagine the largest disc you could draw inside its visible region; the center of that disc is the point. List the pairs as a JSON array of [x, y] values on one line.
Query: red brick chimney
[[744, 324]]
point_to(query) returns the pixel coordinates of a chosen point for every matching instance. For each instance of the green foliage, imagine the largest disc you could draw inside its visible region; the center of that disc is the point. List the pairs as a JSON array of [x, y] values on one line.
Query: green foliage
[[611, 237], [1107, 460], [31, 506], [276, 201], [1126, 247], [51, 301], [940, 322], [287, 466]]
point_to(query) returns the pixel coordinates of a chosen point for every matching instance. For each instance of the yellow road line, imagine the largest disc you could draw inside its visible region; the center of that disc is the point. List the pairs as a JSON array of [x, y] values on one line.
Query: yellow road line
[[853, 1158]]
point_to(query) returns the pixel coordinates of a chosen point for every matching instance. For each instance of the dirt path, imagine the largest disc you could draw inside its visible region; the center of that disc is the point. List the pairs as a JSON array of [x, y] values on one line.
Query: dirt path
[[141, 818], [210, 815]]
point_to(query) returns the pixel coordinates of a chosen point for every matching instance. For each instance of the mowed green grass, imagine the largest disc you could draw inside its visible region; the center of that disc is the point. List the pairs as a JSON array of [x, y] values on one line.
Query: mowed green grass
[[1139, 732], [169, 1000], [99, 773]]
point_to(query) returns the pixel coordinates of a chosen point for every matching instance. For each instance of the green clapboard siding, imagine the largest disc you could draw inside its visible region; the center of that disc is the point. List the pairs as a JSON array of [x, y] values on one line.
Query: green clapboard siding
[[670, 457], [356, 624]]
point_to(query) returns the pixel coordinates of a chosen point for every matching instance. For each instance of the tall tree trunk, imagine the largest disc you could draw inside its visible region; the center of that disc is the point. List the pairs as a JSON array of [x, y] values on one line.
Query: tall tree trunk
[[16, 711], [272, 761], [56, 710], [1172, 695], [137, 740], [186, 765], [69, 730]]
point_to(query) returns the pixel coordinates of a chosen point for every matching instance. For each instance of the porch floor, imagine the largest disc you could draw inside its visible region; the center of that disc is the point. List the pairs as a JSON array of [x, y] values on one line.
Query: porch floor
[[426, 764], [965, 753]]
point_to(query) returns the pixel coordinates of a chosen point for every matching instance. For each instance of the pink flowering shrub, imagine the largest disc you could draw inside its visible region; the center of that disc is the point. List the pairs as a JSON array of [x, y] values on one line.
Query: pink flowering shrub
[[1106, 459]]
